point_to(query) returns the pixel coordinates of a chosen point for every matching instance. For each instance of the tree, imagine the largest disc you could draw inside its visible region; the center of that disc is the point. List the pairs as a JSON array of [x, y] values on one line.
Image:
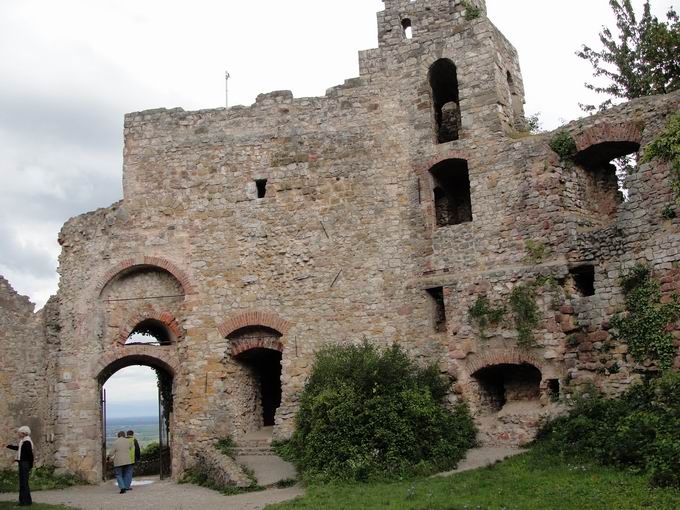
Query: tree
[[642, 59]]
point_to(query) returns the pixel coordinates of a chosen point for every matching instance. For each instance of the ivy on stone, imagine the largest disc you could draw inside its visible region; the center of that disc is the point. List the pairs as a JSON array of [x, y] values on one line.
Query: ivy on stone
[[666, 147], [525, 313], [483, 314], [645, 321], [471, 11]]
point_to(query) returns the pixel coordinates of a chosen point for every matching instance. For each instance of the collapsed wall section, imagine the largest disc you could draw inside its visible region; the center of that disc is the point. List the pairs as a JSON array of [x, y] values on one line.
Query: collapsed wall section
[[24, 394]]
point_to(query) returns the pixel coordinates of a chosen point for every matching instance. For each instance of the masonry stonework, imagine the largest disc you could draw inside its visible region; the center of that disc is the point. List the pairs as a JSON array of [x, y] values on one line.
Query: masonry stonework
[[261, 233]]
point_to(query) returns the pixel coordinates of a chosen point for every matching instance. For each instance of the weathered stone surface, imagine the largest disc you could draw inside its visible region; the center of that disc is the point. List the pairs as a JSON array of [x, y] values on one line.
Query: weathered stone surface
[[296, 223]]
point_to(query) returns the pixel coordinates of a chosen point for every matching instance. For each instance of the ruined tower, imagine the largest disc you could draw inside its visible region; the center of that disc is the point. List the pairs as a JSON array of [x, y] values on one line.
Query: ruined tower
[[386, 211]]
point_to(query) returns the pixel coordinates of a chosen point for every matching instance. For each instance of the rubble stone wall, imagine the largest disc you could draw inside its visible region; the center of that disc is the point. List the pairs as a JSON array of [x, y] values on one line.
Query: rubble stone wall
[[314, 218]]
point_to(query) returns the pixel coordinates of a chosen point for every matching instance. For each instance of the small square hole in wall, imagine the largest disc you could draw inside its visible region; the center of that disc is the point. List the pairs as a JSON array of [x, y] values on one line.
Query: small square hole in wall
[[584, 279], [261, 187]]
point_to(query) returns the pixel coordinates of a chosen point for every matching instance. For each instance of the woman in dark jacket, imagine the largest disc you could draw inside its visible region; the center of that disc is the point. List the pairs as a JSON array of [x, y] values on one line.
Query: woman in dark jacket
[[25, 459]]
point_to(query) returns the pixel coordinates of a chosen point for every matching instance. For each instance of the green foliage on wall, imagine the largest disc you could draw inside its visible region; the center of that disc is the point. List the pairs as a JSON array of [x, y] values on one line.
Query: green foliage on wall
[[564, 146], [537, 251], [471, 11], [526, 314], [666, 147], [484, 314], [644, 324]]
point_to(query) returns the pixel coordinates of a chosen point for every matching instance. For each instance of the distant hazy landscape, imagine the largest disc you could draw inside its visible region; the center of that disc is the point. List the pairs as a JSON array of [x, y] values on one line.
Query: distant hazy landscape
[[145, 427]]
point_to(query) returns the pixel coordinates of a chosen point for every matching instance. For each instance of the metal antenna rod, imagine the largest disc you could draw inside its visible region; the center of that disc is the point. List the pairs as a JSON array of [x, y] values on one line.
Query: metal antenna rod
[[226, 87]]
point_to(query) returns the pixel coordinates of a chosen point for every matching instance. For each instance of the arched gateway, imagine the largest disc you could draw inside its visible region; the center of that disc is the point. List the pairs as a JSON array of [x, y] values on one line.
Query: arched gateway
[[165, 366]]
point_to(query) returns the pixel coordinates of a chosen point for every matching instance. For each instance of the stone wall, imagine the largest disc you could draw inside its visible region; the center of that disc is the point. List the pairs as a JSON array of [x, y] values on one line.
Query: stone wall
[[314, 219], [24, 381]]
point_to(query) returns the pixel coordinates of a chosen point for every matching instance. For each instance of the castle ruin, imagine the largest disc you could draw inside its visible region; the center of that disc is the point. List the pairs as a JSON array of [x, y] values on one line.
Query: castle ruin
[[249, 237]]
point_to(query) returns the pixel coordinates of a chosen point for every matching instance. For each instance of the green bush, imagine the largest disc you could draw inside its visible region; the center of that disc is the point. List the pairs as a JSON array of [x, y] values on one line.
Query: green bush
[[639, 430], [42, 478], [151, 451], [564, 146], [367, 413]]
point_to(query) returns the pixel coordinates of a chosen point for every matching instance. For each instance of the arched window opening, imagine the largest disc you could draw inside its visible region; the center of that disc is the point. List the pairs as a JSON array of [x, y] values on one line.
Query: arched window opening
[[500, 385], [150, 332], [443, 79], [261, 364], [606, 166], [408, 29], [452, 201]]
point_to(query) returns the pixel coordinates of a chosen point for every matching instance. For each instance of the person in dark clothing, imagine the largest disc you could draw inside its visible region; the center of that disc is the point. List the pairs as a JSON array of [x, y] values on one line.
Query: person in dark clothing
[[25, 459]]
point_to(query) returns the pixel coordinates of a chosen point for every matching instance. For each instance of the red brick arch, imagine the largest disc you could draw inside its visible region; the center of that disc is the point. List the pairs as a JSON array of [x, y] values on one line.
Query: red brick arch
[[141, 262], [509, 357], [152, 356], [605, 132], [148, 312], [239, 346], [254, 318]]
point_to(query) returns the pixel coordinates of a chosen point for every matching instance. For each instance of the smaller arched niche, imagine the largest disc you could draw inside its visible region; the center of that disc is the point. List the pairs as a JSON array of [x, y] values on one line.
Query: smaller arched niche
[[150, 332], [258, 351], [143, 282], [443, 78]]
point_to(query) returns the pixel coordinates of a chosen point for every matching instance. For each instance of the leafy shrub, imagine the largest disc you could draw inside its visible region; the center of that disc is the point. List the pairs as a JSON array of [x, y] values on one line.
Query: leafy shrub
[[639, 430], [563, 145], [366, 413], [484, 314], [151, 451]]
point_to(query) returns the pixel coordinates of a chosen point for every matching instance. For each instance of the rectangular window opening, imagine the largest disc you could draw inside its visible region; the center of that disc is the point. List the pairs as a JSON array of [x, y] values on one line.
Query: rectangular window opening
[[437, 296], [584, 279], [261, 187]]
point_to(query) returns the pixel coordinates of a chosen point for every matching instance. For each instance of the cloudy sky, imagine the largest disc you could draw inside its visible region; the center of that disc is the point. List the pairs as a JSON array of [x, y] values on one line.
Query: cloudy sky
[[71, 69]]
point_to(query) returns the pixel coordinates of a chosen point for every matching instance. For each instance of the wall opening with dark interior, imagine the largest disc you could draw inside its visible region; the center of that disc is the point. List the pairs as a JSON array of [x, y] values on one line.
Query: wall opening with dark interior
[[265, 365], [604, 168], [257, 351], [408, 29], [505, 383], [261, 185], [439, 309], [443, 79], [584, 279], [452, 201], [150, 332]]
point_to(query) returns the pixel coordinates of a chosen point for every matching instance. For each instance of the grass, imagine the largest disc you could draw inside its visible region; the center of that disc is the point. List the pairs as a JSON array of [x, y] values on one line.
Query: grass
[[42, 478], [532, 481], [6, 505]]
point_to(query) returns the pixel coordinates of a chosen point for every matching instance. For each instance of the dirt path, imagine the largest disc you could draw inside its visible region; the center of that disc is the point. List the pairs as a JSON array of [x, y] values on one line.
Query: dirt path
[[167, 495]]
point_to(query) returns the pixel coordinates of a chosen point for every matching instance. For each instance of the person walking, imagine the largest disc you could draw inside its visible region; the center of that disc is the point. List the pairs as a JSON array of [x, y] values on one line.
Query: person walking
[[135, 454], [24, 457], [122, 460]]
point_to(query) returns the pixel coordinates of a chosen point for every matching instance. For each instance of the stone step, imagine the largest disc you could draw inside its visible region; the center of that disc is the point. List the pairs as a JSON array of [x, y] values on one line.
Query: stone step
[[253, 450], [254, 443]]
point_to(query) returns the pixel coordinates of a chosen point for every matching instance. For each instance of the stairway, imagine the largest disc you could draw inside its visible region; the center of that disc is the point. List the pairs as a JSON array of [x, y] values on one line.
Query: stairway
[[255, 452]]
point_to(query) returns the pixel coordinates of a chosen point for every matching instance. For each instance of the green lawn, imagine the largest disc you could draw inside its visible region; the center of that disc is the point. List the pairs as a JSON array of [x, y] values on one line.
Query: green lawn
[[4, 505], [526, 482], [42, 478]]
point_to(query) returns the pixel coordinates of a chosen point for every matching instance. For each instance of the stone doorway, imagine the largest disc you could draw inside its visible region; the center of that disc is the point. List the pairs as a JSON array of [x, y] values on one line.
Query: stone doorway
[[160, 461], [500, 385], [263, 367]]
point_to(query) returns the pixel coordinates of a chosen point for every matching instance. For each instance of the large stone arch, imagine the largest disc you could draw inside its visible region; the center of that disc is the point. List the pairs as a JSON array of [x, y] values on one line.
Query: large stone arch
[[141, 262], [486, 359], [608, 133]]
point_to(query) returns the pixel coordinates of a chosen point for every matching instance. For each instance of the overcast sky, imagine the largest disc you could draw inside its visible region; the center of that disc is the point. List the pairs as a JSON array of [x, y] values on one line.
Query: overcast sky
[[70, 70]]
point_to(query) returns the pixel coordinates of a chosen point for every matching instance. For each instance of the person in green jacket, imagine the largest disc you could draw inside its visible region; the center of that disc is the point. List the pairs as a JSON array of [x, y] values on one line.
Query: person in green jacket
[[135, 454]]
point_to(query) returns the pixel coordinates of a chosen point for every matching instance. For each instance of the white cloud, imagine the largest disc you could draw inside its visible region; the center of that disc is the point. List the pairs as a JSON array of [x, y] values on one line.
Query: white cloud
[[132, 384]]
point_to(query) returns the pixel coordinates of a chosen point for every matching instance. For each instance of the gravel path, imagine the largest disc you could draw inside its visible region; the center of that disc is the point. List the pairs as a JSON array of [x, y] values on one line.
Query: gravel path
[[167, 495], [159, 495]]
